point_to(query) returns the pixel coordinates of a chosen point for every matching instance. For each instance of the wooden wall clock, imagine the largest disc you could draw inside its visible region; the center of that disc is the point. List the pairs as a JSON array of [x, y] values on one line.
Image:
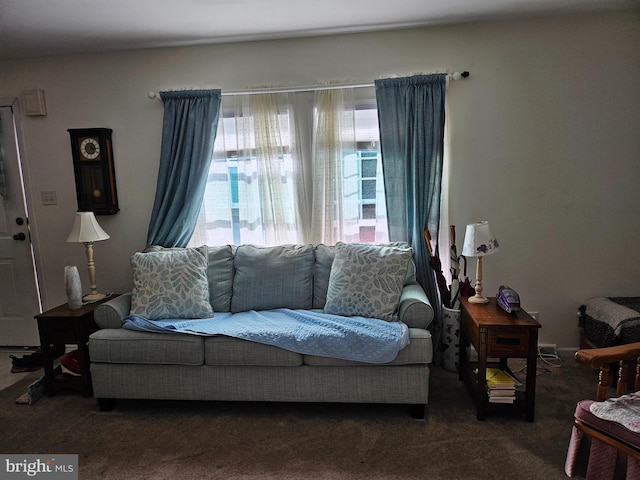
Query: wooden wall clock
[[94, 170]]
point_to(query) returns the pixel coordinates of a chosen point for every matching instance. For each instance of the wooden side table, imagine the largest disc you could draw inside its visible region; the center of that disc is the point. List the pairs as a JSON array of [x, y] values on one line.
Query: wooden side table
[[60, 325], [497, 334]]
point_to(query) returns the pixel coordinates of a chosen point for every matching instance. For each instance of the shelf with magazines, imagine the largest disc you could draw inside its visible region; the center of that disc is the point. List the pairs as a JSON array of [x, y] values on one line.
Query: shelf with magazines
[[511, 388], [502, 385]]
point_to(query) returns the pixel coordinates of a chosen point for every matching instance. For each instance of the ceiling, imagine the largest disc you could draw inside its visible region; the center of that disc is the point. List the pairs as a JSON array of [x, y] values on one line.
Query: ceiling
[[37, 28]]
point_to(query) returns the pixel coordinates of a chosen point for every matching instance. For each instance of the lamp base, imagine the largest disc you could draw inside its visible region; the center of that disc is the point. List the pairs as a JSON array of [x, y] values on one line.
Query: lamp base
[[478, 299], [93, 297]]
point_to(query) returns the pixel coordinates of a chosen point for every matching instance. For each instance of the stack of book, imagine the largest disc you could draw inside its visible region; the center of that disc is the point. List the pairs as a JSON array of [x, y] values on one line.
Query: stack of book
[[501, 386]]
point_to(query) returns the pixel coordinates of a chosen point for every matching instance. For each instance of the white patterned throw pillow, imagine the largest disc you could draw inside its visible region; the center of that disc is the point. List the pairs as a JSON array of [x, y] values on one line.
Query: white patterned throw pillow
[[366, 280], [171, 284]]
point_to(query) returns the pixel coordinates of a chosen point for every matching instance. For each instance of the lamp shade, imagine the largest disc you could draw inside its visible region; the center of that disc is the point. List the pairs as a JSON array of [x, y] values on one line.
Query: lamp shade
[[479, 240], [86, 229]]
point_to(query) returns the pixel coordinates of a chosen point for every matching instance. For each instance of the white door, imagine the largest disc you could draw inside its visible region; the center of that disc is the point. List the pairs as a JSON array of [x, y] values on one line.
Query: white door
[[19, 295]]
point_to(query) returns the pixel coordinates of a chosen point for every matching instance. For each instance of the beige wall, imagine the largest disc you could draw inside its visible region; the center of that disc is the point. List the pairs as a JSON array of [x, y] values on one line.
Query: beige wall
[[545, 142]]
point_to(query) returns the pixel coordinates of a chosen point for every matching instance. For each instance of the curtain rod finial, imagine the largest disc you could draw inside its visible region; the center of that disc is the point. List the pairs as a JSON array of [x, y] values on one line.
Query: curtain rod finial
[[152, 95], [459, 75]]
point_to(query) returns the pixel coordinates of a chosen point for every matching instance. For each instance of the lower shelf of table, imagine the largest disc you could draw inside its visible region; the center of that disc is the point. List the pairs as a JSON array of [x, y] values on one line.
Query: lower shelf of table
[[470, 378]]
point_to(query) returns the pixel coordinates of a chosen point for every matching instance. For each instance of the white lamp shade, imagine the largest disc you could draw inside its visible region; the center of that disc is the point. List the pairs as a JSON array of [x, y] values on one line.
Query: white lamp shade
[[86, 229], [479, 240]]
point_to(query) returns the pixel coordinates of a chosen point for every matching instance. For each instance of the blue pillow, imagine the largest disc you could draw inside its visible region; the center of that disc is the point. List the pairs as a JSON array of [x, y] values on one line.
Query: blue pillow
[[366, 280], [171, 283]]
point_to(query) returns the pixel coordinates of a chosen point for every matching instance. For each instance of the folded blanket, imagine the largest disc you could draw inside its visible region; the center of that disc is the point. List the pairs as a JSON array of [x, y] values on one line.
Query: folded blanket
[[309, 332], [624, 410], [613, 312]]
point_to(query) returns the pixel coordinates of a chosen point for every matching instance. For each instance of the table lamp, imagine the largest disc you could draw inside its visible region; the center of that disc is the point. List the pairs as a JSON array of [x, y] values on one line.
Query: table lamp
[[87, 230], [478, 242]]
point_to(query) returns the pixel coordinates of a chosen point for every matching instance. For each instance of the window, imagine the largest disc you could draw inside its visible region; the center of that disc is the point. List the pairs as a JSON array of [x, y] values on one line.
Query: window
[[261, 189]]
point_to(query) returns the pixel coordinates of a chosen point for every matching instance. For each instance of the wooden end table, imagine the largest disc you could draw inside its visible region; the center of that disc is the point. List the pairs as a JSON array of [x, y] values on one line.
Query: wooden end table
[[497, 334], [61, 325]]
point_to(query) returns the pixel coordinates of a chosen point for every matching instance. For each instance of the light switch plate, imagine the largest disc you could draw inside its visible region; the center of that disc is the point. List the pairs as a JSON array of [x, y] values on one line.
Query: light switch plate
[[48, 197]]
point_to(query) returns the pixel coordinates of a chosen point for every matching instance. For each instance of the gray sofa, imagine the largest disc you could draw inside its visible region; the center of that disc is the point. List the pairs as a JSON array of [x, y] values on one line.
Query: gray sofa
[[128, 364]]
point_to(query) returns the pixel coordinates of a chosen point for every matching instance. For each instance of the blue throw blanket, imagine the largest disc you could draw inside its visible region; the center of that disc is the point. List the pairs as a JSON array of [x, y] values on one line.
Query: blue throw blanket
[[310, 332]]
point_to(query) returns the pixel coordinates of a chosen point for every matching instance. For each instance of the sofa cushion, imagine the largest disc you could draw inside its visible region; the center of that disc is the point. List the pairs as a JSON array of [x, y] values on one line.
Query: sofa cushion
[[171, 284], [324, 256], [273, 277], [367, 280], [418, 352], [127, 346], [410, 279], [228, 351], [220, 275]]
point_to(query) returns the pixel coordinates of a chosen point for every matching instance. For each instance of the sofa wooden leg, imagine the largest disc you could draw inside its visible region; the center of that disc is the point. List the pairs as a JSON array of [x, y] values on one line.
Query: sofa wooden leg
[[106, 404], [419, 411]]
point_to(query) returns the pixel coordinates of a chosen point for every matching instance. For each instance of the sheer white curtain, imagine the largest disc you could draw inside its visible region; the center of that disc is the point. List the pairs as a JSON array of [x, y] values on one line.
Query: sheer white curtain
[[276, 161], [253, 180], [300, 167], [334, 211], [348, 189]]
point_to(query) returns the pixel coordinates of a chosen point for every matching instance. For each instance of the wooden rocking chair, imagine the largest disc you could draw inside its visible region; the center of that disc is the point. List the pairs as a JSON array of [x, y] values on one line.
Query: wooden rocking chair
[[601, 448]]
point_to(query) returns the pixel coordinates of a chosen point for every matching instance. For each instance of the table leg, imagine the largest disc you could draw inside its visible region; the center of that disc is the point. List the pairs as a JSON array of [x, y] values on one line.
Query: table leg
[[83, 356], [49, 374], [481, 394], [532, 365]]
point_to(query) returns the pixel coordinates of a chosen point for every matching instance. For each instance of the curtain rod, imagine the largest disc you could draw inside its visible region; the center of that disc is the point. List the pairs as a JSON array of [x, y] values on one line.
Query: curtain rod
[[307, 88]]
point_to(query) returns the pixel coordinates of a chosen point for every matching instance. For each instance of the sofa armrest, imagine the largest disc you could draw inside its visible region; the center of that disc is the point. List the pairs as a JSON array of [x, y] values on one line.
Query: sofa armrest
[[415, 309], [110, 314]]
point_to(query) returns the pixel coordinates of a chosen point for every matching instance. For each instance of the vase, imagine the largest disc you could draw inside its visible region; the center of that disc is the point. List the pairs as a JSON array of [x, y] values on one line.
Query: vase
[[450, 339], [73, 287]]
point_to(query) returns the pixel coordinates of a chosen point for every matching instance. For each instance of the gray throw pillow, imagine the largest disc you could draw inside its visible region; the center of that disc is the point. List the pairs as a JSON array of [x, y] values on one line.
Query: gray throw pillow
[[171, 283], [366, 280]]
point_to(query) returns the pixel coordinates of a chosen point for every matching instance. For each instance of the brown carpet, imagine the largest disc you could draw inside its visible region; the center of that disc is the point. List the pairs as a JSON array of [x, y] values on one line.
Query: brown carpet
[[201, 440]]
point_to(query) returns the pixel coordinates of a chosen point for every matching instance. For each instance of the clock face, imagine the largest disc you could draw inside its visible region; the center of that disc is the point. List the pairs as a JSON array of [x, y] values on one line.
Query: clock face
[[90, 148]]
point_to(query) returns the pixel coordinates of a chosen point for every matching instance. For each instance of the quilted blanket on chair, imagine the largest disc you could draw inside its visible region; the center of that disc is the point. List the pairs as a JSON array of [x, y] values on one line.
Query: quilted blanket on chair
[[608, 321], [624, 410], [309, 332]]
